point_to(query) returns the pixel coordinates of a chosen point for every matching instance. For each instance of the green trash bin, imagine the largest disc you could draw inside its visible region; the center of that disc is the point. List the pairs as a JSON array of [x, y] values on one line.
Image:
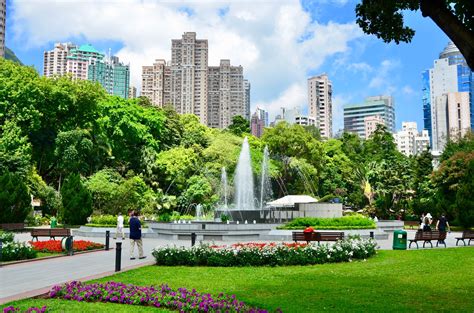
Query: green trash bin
[[53, 222], [399, 240]]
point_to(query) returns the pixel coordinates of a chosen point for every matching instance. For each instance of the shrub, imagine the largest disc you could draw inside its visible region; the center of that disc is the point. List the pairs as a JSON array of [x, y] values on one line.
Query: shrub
[[107, 220], [346, 222], [258, 254], [77, 201], [13, 251], [15, 200], [6, 236]]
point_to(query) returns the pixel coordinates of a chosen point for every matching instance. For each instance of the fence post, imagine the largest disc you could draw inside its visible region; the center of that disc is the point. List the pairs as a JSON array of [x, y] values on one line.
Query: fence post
[[118, 256], [193, 239], [372, 234], [1, 255], [107, 239], [70, 246]]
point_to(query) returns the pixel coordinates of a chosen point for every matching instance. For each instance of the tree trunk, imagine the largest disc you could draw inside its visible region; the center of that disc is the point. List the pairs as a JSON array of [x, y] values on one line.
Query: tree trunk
[[461, 36]]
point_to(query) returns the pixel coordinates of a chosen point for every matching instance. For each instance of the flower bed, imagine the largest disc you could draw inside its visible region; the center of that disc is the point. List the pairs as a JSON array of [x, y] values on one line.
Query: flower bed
[[161, 297], [14, 250], [12, 309], [357, 221], [266, 254], [54, 246]]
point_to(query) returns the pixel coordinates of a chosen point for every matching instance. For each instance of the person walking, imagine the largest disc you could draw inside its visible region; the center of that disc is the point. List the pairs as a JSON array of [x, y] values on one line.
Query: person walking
[[119, 229], [136, 236], [442, 225]]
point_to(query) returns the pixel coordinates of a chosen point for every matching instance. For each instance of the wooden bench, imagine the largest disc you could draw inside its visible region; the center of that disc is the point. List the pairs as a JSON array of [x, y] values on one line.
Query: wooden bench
[[317, 236], [12, 226], [411, 224], [428, 236], [50, 232], [467, 234]]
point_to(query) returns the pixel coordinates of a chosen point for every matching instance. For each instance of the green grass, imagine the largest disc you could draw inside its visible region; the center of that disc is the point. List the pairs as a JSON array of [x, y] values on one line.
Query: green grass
[[393, 281]]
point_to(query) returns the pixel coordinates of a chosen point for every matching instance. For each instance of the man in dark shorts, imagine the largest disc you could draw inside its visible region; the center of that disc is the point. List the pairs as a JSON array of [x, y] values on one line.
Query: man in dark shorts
[[442, 225]]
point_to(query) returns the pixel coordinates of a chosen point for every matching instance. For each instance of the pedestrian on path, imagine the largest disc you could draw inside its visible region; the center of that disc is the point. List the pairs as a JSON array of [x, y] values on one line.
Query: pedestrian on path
[[442, 225], [119, 230], [136, 236]]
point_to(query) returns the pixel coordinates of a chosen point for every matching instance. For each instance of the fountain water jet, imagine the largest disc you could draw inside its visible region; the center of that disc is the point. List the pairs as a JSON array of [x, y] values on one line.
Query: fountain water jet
[[243, 180], [265, 184]]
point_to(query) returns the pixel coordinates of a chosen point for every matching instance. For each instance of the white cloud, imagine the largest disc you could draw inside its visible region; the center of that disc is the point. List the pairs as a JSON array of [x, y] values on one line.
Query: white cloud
[[338, 102], [275, 41], [407, 90], [383, 81]]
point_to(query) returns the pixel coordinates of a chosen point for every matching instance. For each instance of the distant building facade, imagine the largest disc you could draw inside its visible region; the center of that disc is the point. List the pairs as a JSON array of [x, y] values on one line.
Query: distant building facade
[[304, 120], [370, 124], [409, 141], [86, 63], [215, 94], [355, 114], [132, 92], [156, 83], [257, 122], [3, 22], [320, 103], [448, 90], [55, 61], [112, 74]]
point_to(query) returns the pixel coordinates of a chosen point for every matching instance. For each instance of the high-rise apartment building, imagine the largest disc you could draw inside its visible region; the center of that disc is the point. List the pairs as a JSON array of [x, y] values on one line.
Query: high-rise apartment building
[[112, 74], [132, 92], [3, 22], [355, 114], [156, 83], [189, 68], [78, 60], [55, 61], [225, 94], [320, 103], [258, 122], [448, 90], [304, 120], [247, 99], [370, 124], [214, 93], [409, 141]]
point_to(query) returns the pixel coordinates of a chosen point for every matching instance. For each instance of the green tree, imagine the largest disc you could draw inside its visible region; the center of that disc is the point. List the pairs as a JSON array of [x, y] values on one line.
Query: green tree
[[15, 200], [385, 20], [104, 186], [174, 167], [239, 125], [15, 150], [194, 133], [464, 199], [77, 201], [198, 191], [464, 144]]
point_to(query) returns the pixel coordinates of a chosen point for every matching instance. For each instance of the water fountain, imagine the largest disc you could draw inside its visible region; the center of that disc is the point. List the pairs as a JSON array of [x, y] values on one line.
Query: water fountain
[[224, 188], [243, 180]]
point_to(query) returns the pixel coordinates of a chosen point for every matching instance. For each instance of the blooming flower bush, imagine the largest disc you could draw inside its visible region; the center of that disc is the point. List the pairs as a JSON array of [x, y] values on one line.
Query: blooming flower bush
[[162, 297], [262, 254], [12, 309], [13, 250], [54, 246]]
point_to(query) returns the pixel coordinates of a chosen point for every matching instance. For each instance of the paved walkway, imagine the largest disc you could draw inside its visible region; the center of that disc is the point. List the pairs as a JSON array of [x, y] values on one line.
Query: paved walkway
[[29, 279]]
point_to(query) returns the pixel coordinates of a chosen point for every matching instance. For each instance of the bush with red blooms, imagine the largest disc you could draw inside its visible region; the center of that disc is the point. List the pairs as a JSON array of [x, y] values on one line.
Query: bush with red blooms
[[54, 246]]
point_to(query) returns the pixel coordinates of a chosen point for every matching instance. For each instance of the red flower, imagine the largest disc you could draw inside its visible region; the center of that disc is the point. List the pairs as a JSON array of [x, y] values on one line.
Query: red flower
[[54, 246]]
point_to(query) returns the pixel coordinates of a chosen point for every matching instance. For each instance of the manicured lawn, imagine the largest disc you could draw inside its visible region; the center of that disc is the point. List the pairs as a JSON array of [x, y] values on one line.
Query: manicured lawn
[[393, 281]]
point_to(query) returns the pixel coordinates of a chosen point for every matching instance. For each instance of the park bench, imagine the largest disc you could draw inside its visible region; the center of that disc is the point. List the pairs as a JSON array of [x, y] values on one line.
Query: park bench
[[428, 236], [12, 226], [411, 224], [467, 234], [317, 236], [50, 232]]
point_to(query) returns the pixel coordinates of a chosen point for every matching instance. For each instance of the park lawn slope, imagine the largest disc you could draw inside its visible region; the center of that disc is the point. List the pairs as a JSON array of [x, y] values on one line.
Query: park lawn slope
[[425, 280]]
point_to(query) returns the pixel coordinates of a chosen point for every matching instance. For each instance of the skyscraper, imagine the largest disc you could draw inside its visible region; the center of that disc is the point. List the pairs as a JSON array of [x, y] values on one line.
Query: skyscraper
[[132, 92], [189, 71], [356, 114], [257, 122], [3, 16], [78, 60], [225, 94], [156, 83], [55, 61], [320, 103], [247, 99], [448, 90], [112, 74]]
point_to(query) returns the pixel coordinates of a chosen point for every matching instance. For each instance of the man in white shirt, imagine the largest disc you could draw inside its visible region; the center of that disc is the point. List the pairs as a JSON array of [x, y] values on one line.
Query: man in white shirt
[[119, 227]]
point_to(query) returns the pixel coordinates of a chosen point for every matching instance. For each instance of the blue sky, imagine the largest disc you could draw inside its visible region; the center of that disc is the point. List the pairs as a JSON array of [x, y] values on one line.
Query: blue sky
[[279, 44]]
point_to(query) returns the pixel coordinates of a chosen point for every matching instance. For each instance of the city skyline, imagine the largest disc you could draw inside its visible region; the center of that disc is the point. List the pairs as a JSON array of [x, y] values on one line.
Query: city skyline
[[281, 45]]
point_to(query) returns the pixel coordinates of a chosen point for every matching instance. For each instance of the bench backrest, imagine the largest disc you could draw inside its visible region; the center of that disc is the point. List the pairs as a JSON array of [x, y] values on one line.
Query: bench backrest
[[12, 226], [60, 232], [430, 235], [40, 232], [329, 236], [468, 233]]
